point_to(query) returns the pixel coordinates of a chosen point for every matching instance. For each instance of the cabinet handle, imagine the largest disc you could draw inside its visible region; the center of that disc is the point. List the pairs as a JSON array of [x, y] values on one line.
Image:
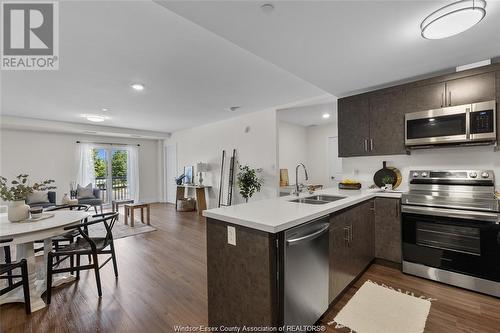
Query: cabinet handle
[[346, 236], [350, 232], [366, 144], [371, 144], [442, 99], [449, 98]]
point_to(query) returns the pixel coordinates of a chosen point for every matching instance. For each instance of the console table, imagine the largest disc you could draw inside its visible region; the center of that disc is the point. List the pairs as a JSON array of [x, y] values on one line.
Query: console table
[[201, 201]]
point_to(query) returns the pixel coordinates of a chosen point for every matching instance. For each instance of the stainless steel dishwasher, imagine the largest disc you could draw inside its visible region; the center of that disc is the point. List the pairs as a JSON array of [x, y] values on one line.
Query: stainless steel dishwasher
[[306, 272]]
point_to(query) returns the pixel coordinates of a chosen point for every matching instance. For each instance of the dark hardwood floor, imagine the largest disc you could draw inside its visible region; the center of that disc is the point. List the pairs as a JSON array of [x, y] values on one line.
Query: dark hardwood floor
[[454, 310], [162, 283]]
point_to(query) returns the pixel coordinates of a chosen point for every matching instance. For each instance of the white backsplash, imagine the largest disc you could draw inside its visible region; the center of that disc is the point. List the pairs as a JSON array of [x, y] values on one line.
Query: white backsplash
[[481, 157]]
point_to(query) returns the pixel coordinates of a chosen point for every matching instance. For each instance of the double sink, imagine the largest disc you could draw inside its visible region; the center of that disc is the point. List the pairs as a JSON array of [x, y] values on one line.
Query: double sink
[[318, 199]]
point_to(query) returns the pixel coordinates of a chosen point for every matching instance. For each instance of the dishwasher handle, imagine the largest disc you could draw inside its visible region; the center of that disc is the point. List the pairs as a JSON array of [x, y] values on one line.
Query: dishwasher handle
[[309, 237]]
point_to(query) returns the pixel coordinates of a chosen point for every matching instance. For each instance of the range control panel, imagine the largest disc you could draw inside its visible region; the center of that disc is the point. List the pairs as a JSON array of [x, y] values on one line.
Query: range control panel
[[452, 174]]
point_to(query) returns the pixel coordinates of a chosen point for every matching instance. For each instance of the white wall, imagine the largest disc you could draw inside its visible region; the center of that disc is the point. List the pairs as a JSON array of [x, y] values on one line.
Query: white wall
[[317, 152], [292, 141], [252, 135], [363, 168], [45, 155]]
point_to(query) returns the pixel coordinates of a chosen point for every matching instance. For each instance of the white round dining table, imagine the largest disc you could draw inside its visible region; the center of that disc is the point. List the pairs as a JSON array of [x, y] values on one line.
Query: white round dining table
[[23, 235]]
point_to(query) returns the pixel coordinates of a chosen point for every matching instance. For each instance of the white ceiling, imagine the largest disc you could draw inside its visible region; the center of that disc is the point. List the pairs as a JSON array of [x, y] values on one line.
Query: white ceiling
[[309, 115], [191, 75], [345, 46]]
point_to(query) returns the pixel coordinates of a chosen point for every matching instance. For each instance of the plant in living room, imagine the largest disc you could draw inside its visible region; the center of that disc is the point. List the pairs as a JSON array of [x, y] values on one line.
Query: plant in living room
[[16, 193], [248, 181]]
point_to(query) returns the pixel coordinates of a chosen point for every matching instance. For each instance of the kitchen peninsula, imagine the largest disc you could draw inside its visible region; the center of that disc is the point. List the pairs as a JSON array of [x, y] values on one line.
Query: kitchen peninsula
[[254, 265]]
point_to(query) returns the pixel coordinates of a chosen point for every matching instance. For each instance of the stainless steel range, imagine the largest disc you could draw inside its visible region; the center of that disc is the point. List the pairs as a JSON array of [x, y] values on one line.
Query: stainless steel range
[[451, 228]]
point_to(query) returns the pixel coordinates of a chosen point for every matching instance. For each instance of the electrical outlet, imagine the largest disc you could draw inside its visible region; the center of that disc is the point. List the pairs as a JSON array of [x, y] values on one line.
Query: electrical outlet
[[231, 235]]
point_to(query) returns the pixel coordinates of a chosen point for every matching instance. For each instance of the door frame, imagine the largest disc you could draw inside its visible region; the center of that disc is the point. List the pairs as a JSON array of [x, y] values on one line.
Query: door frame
[[169, 170]]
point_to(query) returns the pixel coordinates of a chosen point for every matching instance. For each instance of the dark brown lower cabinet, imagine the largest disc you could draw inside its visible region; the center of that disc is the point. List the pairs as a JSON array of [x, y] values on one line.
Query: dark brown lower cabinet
[[388, 229], [351, 245], [242, 285]]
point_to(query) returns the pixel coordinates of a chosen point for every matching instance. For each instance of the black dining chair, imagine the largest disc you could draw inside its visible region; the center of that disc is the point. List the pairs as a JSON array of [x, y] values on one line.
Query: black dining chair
[[7, 269], [85, 245], [68, 237]]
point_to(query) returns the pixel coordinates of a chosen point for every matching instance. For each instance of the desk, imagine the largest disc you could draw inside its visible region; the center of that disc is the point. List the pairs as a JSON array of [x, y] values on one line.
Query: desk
[[23, 235], [201, 201]]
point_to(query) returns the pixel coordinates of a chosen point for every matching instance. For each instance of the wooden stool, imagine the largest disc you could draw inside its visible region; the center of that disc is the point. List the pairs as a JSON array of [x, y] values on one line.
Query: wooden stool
[[130, 209]]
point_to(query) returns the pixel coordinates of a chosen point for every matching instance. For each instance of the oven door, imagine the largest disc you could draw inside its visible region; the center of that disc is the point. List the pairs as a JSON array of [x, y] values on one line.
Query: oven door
[[466, 242], [447, 125]]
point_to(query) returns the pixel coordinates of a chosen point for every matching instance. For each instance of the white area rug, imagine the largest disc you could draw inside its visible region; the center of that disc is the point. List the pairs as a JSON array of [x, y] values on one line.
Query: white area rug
[[382, 309]]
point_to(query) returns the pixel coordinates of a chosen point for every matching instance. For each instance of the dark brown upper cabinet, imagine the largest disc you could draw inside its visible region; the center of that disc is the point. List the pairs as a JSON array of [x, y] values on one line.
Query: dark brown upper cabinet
[[373, 123], [471, 89], [498, 100], [354, 126], [387, 123], [426, 97]]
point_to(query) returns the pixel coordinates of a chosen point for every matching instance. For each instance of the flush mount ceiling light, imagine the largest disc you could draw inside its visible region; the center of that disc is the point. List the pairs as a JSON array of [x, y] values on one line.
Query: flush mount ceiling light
[[267, 7], [326, 115], [453, 19], [95, 118], [137, 86], [234, 108]]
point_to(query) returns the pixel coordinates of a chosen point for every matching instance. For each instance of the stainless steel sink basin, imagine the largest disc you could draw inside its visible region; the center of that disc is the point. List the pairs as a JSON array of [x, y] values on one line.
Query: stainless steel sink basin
[[318, 199], [309, 201], [329, 198]]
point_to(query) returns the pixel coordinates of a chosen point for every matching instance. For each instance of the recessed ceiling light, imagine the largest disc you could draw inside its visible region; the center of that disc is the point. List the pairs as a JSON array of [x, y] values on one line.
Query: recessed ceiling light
[[104, 109], [453, 19], [267, 7], [137, 86], [326, 115], [234, 108], [95, 118]]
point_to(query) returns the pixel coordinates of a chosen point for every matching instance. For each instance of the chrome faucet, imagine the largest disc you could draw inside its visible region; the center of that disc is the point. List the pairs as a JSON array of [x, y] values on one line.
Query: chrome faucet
[[297, 188]]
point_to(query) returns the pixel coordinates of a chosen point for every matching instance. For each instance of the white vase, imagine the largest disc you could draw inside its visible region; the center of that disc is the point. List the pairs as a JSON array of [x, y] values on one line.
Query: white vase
[[65, 200], [18, 211]]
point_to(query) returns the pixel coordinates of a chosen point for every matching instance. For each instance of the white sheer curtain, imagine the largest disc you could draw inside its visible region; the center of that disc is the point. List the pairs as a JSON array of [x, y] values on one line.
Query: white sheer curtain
[[133, 172], [86, 172]]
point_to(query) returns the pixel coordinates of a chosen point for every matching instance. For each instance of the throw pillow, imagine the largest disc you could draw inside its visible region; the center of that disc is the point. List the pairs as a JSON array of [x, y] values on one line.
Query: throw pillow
[[37, 197], [85, 192]]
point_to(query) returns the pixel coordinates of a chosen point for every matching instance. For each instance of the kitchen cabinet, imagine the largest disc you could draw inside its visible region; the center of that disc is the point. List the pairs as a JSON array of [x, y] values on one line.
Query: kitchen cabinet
[[470, 89], [354, 126], [426, 97], [351, 245], [372, 123], [387, 123], [388, 229], [497, 87]]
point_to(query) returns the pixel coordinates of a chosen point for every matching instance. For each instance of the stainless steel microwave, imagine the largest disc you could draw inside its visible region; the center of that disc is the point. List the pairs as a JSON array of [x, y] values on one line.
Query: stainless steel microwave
[[467, 123]]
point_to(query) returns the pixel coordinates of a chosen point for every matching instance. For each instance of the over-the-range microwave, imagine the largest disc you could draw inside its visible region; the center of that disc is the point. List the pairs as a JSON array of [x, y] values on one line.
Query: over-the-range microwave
[[469, 123]]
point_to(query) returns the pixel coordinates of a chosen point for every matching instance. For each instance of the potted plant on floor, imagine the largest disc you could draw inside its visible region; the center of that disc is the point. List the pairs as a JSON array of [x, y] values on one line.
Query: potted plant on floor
[[16, 193], [248, 181]]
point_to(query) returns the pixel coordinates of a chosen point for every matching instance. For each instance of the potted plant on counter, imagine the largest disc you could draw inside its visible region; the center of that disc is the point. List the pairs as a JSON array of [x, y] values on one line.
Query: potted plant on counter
[[248, 181], [16, 193], [388, 182]]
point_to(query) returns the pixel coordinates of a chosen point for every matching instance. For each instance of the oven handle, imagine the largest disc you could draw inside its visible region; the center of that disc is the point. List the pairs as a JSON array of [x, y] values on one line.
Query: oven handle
[[454, 213]]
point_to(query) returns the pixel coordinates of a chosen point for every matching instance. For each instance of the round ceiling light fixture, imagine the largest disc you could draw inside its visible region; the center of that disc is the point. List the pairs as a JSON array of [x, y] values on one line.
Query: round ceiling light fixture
[[326, 115], [267, 7], [453, 19], [95, 118], [137, 86]]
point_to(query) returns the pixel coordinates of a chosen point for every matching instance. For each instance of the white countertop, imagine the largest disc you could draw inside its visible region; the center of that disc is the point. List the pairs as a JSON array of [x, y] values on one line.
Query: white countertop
[[278, 214]]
